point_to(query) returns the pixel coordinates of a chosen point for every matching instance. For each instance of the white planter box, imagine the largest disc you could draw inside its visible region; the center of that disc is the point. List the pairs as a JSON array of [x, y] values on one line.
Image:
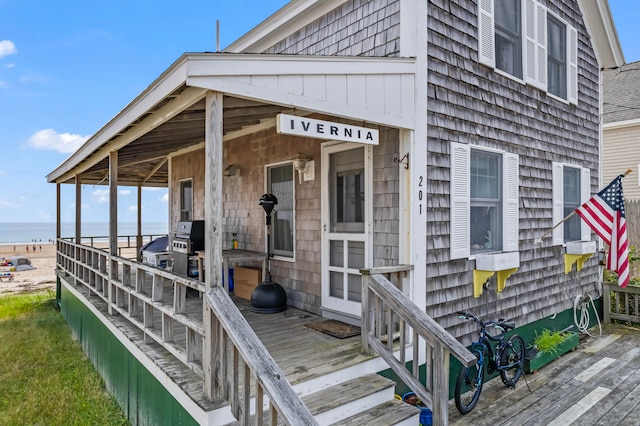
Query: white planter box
[[497, 261], [581, 247]]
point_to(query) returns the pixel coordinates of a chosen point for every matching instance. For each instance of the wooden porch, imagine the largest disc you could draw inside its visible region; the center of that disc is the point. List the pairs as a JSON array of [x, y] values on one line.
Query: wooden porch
[[231, 362], [598, 383]]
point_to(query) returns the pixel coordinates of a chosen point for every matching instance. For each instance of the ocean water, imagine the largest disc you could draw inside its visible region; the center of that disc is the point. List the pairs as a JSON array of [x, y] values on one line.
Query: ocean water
[[27, 232]]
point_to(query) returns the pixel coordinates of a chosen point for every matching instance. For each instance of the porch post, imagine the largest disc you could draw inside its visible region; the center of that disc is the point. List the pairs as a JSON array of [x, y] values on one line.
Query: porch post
[[58, 235], [139, 236], [78, 225], [213, 227], [113, 223]]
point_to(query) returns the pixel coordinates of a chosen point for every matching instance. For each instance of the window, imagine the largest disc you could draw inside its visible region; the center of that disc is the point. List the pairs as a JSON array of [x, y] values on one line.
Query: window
[[186, 199], [484, 201], [522, 38], [280, 184], [557, 57], [571, 188], [508, 37]]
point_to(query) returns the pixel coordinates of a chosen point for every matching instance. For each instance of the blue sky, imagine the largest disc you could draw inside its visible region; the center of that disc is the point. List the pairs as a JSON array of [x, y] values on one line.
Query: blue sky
[[67, 67]]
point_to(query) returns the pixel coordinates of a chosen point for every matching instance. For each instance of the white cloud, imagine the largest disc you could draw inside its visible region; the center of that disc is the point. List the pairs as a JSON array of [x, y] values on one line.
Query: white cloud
[[3, 172], [4, 204], [11, 65], [132, 208], [124, 192], [3, 84], [7, 48], [100, 195], [165, 198], [49, 139]]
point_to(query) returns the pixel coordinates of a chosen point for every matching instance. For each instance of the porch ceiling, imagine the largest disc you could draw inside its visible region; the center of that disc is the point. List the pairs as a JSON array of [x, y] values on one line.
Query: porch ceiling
[[145, 160], [169, 116]]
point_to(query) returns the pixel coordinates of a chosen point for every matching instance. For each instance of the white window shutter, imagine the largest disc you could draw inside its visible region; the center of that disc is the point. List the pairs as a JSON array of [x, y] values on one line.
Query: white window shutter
[[511, 228], [460, 200], [572, 61], [585, 189], [486, 33], [535, 24], [558, 203]]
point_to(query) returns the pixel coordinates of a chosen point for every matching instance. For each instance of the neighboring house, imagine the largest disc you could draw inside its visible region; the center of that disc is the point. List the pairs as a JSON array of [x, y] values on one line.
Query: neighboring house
[[621, 126], [448, 136]]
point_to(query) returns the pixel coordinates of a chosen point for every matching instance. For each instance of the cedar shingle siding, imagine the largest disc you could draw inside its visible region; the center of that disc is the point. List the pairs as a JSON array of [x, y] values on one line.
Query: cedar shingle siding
[[357, 28], [472, 104]]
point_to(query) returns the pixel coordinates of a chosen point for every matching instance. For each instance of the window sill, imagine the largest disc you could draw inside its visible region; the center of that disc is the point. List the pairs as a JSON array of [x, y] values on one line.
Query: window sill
[[500, 264], [497, 261], [581, 247], [577, 252]]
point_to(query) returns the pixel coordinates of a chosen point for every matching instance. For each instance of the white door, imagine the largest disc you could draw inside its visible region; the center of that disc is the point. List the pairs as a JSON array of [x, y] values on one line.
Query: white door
[[346, 224]]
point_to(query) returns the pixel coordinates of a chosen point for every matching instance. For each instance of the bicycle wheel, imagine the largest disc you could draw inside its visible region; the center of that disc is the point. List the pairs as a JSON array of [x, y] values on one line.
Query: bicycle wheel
[[469, 386], [511, 360]]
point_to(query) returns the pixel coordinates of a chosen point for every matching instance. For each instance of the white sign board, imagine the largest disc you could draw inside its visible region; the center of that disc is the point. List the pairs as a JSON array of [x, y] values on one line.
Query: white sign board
[[320, 129]]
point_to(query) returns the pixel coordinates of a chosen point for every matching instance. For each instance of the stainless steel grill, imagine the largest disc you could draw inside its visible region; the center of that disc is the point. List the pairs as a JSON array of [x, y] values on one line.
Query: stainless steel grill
[[186, 240]]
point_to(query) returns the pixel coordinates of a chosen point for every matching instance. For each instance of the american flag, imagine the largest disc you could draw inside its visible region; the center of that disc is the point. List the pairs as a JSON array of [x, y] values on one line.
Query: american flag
[[604, 213]]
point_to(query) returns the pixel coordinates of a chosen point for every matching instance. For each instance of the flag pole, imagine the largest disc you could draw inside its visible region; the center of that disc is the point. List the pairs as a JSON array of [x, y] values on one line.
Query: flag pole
[[539, 239]]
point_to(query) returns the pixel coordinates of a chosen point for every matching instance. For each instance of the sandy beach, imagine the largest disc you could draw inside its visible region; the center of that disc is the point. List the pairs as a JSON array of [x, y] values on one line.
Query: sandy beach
[[42, 277]]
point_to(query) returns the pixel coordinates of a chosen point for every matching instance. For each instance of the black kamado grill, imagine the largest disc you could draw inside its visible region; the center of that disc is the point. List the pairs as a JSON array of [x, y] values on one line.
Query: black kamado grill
[[268, 297]]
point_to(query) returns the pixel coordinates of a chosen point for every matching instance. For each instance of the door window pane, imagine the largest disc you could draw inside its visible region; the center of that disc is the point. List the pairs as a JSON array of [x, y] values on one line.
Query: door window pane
[[347, 191]]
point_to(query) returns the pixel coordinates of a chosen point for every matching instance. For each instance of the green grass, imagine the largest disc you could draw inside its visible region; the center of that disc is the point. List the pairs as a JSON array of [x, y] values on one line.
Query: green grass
[[45, 379]]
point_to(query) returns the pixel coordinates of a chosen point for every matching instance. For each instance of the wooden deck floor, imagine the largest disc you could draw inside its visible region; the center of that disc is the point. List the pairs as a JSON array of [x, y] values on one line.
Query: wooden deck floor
[[597, 384]]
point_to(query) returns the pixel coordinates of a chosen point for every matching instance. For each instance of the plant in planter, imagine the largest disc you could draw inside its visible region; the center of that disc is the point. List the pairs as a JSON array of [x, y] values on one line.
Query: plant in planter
[[549, 345]]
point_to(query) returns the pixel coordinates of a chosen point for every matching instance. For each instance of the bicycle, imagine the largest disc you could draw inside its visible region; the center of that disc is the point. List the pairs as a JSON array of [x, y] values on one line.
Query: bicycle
[[507, 359]]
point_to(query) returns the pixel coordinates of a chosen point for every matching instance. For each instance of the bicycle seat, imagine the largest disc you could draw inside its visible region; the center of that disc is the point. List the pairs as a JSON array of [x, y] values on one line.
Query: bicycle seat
[[507, 325]]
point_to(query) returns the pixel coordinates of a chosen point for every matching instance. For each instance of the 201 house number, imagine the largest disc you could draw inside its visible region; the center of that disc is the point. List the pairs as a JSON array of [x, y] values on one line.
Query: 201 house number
[[420, 193]]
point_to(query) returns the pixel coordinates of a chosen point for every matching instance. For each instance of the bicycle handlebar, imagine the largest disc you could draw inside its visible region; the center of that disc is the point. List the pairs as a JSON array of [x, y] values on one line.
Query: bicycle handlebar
[[505, 325]]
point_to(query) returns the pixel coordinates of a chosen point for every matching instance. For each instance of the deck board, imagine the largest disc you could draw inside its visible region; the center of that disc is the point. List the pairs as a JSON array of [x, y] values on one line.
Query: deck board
[[561, 391]]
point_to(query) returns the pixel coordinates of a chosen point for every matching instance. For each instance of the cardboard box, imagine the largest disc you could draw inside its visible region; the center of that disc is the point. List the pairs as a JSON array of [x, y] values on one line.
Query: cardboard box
[[245, 280]]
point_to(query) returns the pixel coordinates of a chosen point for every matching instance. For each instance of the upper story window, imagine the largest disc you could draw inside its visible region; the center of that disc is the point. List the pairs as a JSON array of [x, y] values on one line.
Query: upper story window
[[484, 201], [280, 184], [523, 39], [186, 199], [508, 37], [571, 188], [557, 57]]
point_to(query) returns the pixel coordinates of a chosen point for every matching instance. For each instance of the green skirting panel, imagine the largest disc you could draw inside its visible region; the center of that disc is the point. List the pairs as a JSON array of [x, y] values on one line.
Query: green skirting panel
[[141, 396]]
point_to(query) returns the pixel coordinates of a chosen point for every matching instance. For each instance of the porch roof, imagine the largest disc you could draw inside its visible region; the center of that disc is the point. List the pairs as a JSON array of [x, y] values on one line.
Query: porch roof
[[169, 116]]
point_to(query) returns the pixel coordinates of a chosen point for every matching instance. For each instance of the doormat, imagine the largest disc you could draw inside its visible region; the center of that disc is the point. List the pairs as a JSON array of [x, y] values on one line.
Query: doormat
[[335, 328]]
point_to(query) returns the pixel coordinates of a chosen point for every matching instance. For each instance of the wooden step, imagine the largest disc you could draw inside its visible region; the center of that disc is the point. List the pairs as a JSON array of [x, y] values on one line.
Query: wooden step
[[394, 412], [349, 398]]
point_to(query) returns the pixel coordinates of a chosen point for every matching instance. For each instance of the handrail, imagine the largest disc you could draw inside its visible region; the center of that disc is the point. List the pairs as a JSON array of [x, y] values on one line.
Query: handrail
[[626, 303], [250, 360], [137, 292], [387, 312]]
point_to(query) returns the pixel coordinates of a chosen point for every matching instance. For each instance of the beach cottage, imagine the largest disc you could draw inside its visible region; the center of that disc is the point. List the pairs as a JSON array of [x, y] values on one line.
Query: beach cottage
[[417, 150]]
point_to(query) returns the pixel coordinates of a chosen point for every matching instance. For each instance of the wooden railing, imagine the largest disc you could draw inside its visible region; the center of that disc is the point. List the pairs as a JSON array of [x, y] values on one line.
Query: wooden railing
[[622, 304], [388, 316], [124, 241], [151, 299], [154, 300], [250, 365]]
